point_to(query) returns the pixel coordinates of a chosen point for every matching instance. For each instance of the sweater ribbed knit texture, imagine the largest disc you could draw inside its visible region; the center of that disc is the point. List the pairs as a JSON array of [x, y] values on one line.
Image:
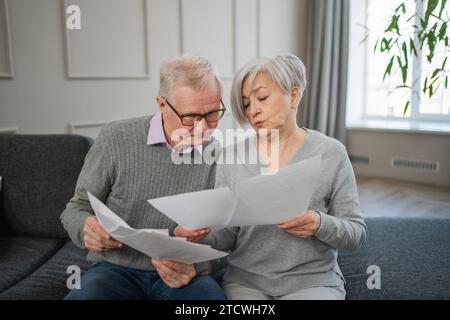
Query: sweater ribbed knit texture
[[123, 172]]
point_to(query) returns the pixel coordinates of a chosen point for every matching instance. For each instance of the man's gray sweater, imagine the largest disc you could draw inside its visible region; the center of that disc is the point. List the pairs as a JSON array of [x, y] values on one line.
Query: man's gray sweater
[[123, 172]]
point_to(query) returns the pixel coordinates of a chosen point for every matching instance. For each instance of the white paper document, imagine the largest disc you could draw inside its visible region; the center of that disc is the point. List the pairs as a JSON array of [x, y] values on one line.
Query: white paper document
[[262, 200], [155, 243]]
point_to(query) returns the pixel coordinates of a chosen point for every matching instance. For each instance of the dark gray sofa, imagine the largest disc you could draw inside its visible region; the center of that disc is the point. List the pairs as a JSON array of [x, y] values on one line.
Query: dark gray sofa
[[39, 176], [413, 255]]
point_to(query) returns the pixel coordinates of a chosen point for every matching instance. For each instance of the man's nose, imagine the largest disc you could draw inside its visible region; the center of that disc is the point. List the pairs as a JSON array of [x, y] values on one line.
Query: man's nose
[[201, 126]]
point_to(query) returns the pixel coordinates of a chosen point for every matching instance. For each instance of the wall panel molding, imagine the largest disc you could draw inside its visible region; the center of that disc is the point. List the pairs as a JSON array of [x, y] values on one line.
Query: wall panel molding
[[180, 27], [225, 75], [247, 34], [9, 130], [5, 42], [71, 71], [87, 128], [234, 38], [258, 28]]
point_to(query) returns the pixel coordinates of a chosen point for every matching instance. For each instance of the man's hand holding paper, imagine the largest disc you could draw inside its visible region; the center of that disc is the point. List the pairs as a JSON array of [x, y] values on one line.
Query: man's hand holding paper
[[155, 243], [174, 274], [96, 238]]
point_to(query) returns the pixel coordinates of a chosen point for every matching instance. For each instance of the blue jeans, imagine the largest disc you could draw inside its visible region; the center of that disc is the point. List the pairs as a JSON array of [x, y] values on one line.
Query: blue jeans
[[106, 281]]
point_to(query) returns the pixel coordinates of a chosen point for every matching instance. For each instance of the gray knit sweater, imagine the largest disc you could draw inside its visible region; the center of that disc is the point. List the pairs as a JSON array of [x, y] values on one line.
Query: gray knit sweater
[[269, 259], [122, 171]]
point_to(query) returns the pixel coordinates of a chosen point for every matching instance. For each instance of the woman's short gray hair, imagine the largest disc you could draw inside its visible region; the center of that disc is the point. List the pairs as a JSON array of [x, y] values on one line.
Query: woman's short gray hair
[[287, 71], [187, 70]]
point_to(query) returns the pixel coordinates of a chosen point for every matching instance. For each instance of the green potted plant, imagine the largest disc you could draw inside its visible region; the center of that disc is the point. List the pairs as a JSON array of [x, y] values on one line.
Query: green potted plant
[[407, 37]]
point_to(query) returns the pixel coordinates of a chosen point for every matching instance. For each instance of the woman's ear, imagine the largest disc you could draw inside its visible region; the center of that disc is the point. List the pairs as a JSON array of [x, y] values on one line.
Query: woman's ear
[[295, 97]]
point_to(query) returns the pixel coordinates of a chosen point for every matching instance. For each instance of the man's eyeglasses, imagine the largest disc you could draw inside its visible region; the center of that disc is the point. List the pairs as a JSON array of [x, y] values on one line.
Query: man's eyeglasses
[[190, 119]]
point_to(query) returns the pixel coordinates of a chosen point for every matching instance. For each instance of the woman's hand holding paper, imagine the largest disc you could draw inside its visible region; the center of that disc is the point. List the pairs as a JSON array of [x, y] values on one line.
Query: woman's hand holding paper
[[304, 226], [191, 235]]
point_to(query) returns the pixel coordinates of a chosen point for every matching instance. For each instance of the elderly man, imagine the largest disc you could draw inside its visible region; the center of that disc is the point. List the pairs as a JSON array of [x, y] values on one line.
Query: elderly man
[[130, 162]]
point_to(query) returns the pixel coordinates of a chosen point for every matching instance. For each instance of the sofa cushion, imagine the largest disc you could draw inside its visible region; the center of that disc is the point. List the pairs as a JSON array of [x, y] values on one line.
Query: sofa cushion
[[413, 256], [20, 256], [48, 282], [39, 176]]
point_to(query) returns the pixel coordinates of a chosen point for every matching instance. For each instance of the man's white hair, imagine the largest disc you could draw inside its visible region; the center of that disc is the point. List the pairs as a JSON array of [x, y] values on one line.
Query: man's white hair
[[187, 70], [287, 71]]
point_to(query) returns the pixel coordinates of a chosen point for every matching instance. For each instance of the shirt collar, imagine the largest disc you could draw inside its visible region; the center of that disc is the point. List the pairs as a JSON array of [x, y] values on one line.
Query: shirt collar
[[156, 132]]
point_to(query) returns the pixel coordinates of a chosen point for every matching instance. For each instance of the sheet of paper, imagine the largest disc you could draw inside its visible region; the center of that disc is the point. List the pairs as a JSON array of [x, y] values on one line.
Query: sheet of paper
[[108, 219], [160, 246], [155, 243], [262, 200], [197, 210], [265, 200]]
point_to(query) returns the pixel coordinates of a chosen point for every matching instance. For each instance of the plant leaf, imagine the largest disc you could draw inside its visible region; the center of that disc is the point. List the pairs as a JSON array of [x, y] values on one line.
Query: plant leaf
[[410, 18], [431, 6], [405, 54], [431, 46], [435, 73], [434, 81], [442, 31], [443, 3], [412, 47], [405, 109], [404, 69], [385, 44], [393, 26], [376, 46], [444, 63], [388, 70], [401, 7]]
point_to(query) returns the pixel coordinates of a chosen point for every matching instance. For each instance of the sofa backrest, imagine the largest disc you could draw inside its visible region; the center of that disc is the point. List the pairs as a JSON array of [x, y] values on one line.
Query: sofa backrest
[[413, 257], [39, 175]]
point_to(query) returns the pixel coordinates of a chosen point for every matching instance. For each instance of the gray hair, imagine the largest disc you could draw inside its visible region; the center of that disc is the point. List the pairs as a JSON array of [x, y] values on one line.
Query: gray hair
[[187, 70], [287, 71]]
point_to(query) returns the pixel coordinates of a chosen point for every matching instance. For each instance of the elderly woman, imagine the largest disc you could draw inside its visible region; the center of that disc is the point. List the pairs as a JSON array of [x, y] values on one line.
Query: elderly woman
[[296, 259]]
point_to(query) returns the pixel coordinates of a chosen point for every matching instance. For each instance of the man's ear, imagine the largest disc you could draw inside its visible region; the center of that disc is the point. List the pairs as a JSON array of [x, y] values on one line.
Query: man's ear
[[295, 96], [161, 103]]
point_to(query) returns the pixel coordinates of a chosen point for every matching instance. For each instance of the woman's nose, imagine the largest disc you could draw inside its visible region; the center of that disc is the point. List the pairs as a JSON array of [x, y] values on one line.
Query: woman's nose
[[254, 109]]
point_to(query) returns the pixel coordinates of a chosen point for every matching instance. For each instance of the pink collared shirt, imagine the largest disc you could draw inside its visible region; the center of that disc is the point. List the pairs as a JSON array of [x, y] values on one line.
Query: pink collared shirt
[[156, 134]]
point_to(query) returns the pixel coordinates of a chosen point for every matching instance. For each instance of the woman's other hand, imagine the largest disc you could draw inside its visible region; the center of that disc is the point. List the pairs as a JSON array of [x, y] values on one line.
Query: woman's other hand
[[304, 226]]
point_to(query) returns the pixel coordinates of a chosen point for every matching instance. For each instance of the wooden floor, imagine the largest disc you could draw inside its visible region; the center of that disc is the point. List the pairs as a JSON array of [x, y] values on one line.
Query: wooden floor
[[391, 198]]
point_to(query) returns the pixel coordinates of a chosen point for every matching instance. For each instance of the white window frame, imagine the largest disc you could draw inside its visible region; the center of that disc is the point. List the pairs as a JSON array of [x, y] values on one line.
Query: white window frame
[[357, 116]]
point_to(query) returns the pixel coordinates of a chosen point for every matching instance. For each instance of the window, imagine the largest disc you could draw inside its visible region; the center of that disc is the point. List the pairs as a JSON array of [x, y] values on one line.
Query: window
[[378, 99]]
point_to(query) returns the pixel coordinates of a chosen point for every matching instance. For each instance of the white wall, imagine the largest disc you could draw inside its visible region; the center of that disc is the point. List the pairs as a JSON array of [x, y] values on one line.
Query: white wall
[[98, 76]]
